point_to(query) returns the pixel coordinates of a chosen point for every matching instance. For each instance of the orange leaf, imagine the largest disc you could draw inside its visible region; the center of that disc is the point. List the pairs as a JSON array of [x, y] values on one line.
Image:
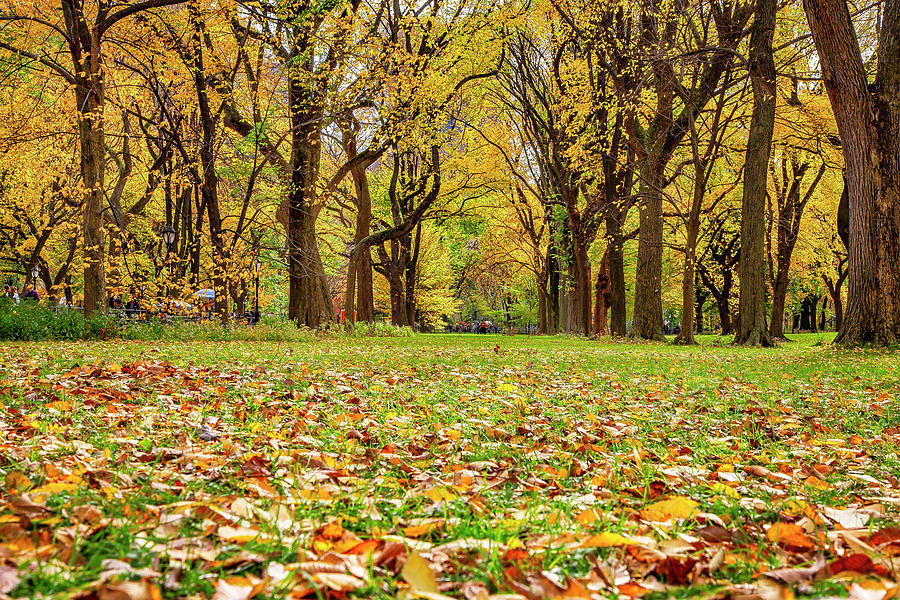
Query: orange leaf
[[790, 536]]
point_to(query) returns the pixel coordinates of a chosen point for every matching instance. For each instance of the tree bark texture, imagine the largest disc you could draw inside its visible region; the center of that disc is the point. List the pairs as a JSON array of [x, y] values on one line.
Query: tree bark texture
[[868, 120], [309, 297], [648, 314], [752, 329]]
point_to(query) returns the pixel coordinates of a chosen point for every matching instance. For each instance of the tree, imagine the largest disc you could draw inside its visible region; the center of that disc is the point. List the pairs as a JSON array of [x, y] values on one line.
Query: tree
[[868, 119], [752, 330], [790, 201], [85, 29], [704, 166], [656, 138]]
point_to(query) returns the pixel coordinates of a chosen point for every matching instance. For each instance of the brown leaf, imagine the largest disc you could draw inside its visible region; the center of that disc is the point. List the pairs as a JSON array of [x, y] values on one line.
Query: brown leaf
[[239, 588], [714, 534], [790, 575], [24, 507], [9, 578], [676, 570], [857, 563], [885, 535], [474, 590], [129, 590]]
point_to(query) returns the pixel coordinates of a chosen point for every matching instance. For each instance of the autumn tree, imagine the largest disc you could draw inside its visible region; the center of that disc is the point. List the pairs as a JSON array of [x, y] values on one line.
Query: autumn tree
[[868, 119], [666, 36], [85, 29]]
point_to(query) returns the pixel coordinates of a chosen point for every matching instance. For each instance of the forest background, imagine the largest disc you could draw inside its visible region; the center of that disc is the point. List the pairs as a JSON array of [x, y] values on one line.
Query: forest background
[[579, 166]]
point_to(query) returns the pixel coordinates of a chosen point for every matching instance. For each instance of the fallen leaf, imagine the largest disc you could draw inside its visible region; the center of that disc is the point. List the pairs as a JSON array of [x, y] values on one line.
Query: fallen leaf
[[607, 539], [676, 507], [791, 575], [790, 536], [418, 574]]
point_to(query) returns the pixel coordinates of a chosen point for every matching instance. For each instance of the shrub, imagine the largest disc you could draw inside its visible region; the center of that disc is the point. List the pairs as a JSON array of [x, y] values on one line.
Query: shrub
[[377, 329], [102, 327], [67, 324], [30, 321]]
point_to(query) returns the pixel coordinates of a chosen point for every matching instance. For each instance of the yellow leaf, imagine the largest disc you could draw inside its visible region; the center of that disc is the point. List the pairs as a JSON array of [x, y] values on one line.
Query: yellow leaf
[[607, 539], [418, 574], [239, 535], [724, 489], [676, 507], [817, 483], [422, 528], [340, 582], [790, 536], [440, 494], [55, 488], [16, 480], [587, 517], [452, 434]]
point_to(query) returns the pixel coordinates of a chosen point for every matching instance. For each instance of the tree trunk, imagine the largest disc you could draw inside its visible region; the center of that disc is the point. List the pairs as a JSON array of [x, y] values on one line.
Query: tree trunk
[[360, 266], [90, 97], [834, 291], [350, 290], [553, 308], [724, 315], [868, 120], [207, 175], [618, 318], [602, 298], [686, 335], [700, 302], [399, 315], [580, 307], [808, 313], [779, 296], [411, 275], [543, 328], [648, 317], [309, 298], [752, 330], [562, 325]]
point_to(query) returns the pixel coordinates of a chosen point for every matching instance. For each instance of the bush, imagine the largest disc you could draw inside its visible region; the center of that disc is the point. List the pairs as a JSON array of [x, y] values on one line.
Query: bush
[[377, 329], [30, 321], [102, 327], [67, 325]]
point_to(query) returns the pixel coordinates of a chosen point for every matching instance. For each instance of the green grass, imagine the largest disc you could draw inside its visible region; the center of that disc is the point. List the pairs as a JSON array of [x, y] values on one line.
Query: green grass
[[496, 444]]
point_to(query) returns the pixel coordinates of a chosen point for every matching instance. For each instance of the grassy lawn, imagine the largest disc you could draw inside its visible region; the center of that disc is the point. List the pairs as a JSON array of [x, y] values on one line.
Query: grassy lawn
[[448, 465]]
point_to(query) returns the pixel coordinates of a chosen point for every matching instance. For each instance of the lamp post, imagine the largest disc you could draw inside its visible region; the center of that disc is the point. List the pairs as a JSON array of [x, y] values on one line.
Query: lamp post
[[34, 276], [258, 266], [168, 236]]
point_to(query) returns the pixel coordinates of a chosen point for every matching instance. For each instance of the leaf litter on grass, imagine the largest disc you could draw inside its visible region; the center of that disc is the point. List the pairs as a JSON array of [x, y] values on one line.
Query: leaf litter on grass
[[435, 472]]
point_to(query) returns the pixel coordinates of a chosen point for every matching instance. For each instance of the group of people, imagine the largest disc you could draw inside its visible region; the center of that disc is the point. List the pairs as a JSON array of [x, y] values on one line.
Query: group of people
[[132, 308], [29, 293], [473, 327]]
